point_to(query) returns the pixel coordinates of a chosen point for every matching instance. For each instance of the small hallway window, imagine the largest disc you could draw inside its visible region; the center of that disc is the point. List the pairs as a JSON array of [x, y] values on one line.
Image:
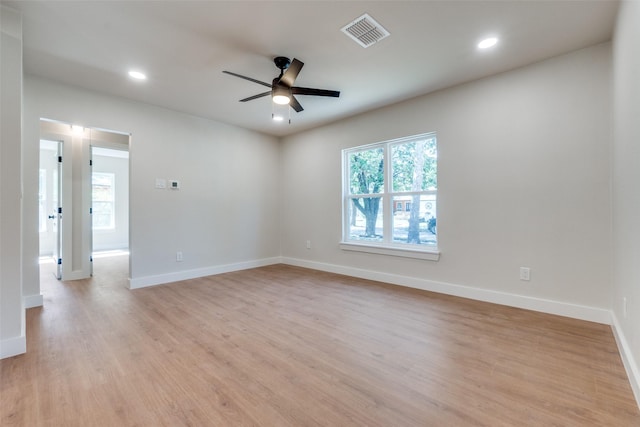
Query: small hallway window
[[103, 197]]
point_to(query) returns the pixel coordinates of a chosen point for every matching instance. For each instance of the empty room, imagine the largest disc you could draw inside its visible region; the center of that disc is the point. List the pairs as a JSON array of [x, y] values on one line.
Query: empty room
[[320, 213]]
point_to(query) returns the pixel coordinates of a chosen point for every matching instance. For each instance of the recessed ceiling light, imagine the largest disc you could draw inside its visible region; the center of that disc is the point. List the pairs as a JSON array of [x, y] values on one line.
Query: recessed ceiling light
[[487, 43], [137, 75]]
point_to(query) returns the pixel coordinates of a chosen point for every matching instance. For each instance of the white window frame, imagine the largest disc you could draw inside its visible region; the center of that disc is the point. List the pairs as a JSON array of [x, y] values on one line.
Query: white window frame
[[386, 246]]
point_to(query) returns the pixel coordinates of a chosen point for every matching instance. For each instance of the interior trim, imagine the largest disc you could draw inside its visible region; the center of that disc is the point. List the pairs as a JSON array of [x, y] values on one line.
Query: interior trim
[[13, 346], [591, 314], [160, 279], [626, 354], [31, 301], [405, 252]]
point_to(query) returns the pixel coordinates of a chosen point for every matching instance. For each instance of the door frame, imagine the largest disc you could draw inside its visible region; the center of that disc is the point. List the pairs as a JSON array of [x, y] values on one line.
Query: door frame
[[75, 193]]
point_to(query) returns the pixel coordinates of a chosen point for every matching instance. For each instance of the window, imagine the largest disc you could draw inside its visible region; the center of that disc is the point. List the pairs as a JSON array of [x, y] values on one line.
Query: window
[[379, 181], [103, 195]]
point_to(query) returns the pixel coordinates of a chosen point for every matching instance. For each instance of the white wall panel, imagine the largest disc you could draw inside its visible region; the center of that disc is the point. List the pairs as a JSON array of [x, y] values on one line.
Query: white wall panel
[[226, 211], [523, 166], [626, 187]]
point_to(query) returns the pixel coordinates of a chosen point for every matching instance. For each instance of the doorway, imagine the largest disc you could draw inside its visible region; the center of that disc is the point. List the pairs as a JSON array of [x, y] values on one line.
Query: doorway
[[110, 200], [92, 213]]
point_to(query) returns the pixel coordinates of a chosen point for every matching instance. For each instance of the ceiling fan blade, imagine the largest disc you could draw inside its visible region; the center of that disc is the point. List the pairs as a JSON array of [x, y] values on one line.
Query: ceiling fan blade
[[248, 78], [315, 92], [260, 95], [292, 72], [295, 104]]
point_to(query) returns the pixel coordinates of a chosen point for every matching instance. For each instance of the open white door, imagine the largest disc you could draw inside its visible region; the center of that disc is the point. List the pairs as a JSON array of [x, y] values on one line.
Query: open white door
[[57, 212], [50, 203], [71, 213]]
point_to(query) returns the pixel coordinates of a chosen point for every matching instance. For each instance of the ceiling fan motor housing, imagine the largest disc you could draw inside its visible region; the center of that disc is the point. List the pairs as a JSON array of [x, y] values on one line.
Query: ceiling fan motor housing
[[282, 62]]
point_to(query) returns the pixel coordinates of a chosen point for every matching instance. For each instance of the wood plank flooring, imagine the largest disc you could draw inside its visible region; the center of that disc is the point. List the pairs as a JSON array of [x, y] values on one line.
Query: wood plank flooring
[[286, 346]]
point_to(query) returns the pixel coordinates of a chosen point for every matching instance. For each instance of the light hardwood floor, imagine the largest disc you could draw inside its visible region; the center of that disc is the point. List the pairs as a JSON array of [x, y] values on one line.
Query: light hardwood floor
[[286, 346]]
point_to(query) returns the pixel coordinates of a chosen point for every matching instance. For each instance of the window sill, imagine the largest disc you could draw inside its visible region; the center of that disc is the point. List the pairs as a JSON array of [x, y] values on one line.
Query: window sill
[[426, 254]]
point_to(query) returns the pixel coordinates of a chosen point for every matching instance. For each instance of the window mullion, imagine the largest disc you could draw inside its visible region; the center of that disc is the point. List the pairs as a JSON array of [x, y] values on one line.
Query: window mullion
[[346, 200], [387, 219]]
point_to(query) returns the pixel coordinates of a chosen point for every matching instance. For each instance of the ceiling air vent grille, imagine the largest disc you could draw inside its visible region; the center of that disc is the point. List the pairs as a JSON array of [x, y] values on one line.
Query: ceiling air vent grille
[[365, 31]]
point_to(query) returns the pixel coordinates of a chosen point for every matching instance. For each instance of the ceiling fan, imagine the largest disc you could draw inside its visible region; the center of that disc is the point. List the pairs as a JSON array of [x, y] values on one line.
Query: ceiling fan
[[282, 89]]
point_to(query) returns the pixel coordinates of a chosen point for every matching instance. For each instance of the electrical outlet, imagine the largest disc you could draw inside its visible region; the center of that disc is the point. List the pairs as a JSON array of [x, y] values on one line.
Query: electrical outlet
[[179, 256], [525, 273], [308, 244], [624, 307]]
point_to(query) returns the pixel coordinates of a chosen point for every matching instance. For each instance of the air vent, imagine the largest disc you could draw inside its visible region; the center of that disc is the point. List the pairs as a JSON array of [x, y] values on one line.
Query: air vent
[[365, 31]]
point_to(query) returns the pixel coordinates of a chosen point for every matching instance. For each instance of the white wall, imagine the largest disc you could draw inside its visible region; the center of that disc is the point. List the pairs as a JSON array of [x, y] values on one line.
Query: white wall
[[118, 237], [626, 186], [226, 212], [523, 181], [12, 326]]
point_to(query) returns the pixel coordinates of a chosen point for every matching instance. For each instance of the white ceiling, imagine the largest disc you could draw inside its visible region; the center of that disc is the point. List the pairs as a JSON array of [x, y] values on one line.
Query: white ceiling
[[183, 46]]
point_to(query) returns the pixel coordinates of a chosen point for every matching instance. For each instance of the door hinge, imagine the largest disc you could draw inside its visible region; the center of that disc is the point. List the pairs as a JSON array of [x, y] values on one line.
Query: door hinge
[[90, 211], [59, 210], [90, 162], [59, 159], [59, 261]]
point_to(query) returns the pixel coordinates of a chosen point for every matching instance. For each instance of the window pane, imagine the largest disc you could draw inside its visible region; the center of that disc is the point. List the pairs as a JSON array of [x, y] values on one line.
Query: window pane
[[102, 184], [102, 215], [103, 195], [416, 224], [366, 171], [365, 219], [414, 165]]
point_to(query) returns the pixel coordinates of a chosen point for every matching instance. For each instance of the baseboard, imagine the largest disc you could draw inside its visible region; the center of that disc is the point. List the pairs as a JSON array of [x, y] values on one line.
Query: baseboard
[[592, 314], [31, 301], [627, 357], [13, 346], [143, 282]]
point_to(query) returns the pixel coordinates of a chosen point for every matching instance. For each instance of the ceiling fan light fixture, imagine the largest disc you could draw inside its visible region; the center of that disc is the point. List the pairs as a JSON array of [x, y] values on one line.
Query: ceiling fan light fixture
[[281, 95], [281, 99], [282, 87]]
